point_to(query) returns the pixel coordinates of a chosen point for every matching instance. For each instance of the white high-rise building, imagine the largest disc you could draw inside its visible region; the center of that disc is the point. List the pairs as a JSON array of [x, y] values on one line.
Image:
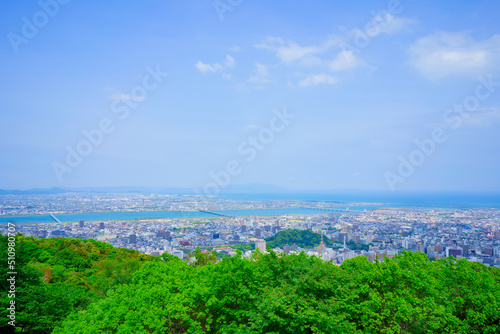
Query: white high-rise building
[[406, 243], [260, 245], [179, 253], [349, 255]]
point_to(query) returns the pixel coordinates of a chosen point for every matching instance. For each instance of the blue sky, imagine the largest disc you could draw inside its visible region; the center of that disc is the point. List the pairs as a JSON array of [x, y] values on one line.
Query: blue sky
[[364, 80]]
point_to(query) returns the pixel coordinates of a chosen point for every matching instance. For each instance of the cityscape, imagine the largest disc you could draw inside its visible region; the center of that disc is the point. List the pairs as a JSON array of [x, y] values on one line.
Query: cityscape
[[473, 234], [83, 202]]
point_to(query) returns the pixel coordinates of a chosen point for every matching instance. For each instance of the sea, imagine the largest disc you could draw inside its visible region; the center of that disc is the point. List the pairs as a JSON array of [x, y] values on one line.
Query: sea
[[374, 200]]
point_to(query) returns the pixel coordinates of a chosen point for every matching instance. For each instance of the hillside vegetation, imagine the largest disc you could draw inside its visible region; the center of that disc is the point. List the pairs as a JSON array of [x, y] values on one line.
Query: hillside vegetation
[[268, 293], [301, 238], [58, 276]]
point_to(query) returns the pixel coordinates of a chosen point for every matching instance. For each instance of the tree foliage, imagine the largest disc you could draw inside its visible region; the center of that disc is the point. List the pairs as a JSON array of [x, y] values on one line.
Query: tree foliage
[[244, 247], [301, 238], [58, 276], [268, 293], [355, 246]]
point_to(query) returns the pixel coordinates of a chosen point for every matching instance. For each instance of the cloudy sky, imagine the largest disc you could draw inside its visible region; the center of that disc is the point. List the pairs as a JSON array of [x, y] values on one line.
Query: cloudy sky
[[378, 95]]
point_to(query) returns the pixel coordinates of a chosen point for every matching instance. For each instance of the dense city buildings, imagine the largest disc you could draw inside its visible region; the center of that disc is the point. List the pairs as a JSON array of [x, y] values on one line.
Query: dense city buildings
[[469, 233]]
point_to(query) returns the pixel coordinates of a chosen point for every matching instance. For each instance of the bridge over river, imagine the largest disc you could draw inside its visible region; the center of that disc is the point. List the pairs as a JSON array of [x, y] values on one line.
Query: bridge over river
[[216, 213]]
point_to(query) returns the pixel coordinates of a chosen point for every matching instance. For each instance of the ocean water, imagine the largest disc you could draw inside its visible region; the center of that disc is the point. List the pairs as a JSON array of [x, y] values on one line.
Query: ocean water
[[452, 200]]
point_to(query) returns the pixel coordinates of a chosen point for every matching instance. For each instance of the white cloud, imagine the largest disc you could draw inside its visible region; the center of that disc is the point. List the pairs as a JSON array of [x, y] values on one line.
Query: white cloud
[[126, 97], [382, 23], [444, 54], [290, 52], [206, 68], [216, 67], [391, 24], [317, 79], [333, 53], [229, 61], [345, 60], [261, 74]]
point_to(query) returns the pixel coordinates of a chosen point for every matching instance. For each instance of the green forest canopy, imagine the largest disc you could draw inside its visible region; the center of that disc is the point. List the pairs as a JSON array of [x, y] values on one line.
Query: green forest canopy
[[301, 238], [85, 286]]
